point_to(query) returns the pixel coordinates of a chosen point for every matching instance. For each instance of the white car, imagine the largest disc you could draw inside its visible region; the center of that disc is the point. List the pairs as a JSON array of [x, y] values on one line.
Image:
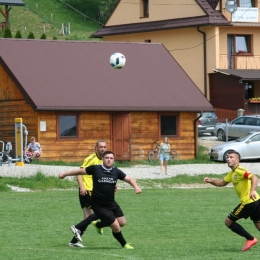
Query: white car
[[248, 146]]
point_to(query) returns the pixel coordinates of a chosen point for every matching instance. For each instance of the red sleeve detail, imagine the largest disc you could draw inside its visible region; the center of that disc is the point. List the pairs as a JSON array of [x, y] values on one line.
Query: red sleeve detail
[[246, 174]]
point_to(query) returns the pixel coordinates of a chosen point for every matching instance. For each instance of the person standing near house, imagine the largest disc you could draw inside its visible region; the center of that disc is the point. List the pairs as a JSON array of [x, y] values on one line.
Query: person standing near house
[[164, 155], [245, 184], [86, 184], [33, 150], [103, 202]]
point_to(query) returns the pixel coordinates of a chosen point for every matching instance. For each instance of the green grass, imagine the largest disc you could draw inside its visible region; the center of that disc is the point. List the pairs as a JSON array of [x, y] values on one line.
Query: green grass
[[39, 182], [161, 224], [51, 14]]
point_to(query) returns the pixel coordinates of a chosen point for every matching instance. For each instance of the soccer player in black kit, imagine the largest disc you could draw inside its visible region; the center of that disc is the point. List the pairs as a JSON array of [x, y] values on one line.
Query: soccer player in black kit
[[103, 202]]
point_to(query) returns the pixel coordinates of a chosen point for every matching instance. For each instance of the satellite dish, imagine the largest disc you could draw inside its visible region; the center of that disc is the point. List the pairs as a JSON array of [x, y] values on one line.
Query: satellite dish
[[231, 6]]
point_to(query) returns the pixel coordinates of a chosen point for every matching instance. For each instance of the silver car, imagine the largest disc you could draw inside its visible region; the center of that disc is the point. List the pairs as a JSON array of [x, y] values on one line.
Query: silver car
[[248, 146], [238, 127], [207, 123]]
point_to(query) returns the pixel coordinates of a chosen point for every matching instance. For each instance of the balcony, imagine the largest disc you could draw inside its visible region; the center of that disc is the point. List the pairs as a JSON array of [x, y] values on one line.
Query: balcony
[[242, 61]]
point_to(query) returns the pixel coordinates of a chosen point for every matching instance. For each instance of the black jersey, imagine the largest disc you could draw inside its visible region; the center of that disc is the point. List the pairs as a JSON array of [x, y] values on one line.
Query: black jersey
[[104, 182]]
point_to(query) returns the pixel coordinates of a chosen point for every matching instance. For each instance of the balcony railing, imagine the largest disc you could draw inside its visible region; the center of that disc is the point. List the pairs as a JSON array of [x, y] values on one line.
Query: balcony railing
[[239, 62]]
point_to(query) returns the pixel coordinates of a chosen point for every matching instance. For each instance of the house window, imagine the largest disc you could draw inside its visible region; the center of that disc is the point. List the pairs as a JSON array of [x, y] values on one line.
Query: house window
[[168, 125], [238, 44], [243, 43], [68, 126], [145, 8], [246, 3]]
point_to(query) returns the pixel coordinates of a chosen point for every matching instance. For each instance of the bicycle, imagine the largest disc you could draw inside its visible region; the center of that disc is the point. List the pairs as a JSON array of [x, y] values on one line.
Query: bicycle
[[153, 155]]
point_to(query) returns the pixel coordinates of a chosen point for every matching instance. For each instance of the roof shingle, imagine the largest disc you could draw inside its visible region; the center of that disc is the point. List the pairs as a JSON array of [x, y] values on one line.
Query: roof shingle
[[74, 75], [12, 2], [211, 17]]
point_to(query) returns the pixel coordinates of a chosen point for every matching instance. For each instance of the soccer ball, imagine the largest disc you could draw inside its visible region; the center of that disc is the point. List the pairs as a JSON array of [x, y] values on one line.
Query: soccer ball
[[117, 60]]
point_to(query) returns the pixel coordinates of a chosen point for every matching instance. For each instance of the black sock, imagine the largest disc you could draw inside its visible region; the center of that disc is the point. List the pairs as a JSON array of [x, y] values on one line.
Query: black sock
[[235, 227], [119, 237], [74, 240], [82, 226], [100, 224]]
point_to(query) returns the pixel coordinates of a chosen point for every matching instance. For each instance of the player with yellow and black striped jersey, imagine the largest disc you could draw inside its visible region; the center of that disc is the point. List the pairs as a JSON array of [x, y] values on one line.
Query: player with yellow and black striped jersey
[[245, 184]]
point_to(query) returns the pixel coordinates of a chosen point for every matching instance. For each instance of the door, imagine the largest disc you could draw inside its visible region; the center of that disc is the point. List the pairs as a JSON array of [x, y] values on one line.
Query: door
[[121, 136]]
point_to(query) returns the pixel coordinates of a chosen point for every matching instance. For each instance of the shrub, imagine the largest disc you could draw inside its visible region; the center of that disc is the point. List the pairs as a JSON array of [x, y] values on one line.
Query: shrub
[[7, 33], [18, 35], [30, 36], [43, 37]]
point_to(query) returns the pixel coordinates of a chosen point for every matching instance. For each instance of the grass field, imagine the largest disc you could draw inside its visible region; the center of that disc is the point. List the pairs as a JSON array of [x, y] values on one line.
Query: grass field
[[162, 224], [50, 14]]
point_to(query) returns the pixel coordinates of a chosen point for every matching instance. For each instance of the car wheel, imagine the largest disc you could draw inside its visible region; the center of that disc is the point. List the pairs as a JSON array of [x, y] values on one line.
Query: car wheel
[[225, 156], [221, 135]]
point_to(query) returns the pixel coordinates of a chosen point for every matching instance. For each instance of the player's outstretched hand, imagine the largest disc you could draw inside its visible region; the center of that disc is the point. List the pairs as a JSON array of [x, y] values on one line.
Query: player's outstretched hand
[[61, 176], [207, 180]]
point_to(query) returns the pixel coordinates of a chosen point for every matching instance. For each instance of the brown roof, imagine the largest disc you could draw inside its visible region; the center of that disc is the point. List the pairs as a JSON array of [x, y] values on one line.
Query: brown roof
[[211, 17], [12, 2], [75, 75], [242, 74]]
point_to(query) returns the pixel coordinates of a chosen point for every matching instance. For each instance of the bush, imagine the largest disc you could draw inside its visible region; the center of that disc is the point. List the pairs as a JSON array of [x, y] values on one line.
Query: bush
[[43, 37], [30, 36], [7, 33], [18, 35]]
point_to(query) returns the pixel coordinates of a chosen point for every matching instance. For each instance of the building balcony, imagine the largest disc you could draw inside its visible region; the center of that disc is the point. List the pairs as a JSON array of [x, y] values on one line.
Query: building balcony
[[241, 61]]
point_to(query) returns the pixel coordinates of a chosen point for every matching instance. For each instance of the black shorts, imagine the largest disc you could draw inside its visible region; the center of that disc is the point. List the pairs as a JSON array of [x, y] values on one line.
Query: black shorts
[[85, 201], [251, 210], [107, 213]]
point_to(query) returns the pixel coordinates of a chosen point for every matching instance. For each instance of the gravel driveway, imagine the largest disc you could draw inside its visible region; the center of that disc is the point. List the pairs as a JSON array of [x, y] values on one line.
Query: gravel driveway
[[137, 172]]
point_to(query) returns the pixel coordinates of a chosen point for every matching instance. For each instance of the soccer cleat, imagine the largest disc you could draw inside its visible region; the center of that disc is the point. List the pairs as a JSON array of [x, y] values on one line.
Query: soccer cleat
[[249, 244], [99, 230], [78, 244], [76, 233], [128, 246]]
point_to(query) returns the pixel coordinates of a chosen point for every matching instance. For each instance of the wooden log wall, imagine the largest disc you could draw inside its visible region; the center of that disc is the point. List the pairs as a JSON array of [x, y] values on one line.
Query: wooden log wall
[[93, 126], [145, 130]]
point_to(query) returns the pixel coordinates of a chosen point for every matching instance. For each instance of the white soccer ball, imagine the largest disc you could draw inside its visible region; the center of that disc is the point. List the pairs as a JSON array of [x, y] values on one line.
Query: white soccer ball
[[117, 60]]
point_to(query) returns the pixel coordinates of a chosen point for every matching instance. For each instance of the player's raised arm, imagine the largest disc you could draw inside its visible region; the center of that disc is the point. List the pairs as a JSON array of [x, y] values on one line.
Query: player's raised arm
[[133, 183], [80, 171], [218, 183]]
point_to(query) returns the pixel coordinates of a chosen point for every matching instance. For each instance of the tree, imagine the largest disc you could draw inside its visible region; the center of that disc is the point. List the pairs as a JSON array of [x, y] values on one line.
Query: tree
[[7, 33], [105, 9], [18, 35], [30, 36], [43, 37]]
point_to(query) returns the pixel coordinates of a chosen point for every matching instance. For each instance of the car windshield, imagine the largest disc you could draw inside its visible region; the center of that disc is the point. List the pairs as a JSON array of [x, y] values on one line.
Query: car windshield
[[244, 137]]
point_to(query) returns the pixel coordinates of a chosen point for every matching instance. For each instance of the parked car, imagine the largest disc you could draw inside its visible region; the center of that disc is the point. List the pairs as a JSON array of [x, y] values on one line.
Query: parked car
[[247, 145], [238, 127], [207, 123]]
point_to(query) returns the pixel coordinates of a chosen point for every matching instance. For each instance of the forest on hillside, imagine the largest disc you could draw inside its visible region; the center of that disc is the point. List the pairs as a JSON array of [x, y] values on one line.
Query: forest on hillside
[[101, 9]]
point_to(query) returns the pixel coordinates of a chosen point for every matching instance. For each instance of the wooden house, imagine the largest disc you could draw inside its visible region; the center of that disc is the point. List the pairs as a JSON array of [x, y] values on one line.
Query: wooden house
[[69, 96]]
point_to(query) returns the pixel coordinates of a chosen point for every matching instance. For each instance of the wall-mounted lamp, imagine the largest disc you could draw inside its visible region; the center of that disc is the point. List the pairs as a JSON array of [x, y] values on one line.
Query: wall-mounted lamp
[[240, 81]]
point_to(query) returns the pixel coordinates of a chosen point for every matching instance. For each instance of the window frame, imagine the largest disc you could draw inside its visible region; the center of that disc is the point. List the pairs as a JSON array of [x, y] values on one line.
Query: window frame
[[177, 115], [253, 2], [250, 44], [77, 126]]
